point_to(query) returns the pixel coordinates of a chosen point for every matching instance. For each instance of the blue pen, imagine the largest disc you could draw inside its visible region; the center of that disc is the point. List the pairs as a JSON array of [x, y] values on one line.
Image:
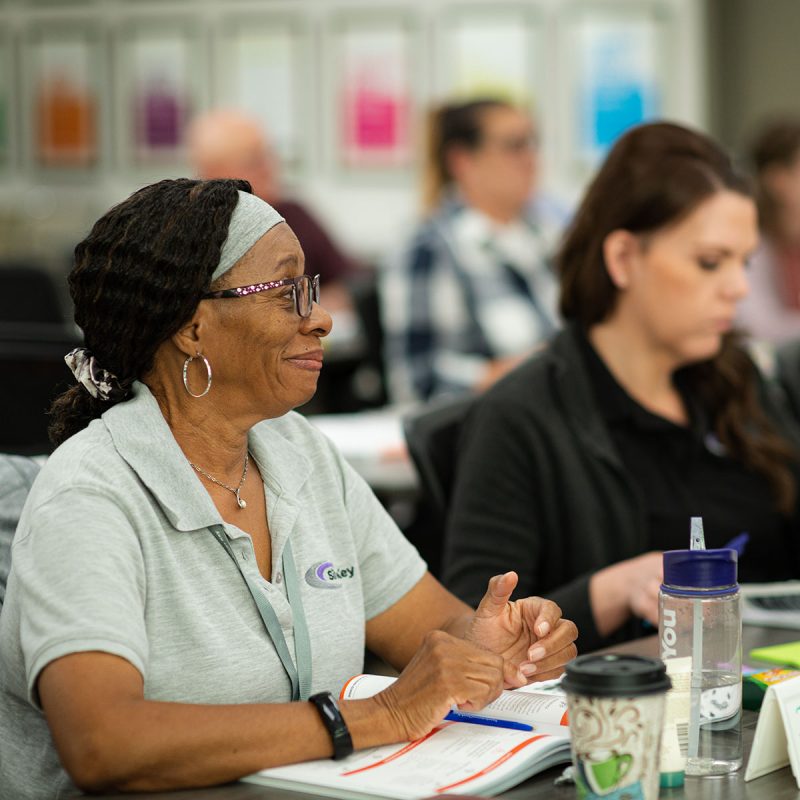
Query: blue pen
[[738, 543], [474, 719]]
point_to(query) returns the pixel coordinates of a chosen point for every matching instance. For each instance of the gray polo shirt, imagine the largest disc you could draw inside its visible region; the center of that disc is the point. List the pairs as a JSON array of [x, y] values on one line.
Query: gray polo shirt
[[114, 553]]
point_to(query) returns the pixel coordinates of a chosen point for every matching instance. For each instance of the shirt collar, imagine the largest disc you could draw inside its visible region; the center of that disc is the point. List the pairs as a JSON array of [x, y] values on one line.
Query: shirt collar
[[144, 440], [617, 407]]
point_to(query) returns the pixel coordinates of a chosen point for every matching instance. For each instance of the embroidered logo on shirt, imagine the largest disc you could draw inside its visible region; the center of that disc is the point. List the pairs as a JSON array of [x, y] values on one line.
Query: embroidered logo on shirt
[[323, 575]]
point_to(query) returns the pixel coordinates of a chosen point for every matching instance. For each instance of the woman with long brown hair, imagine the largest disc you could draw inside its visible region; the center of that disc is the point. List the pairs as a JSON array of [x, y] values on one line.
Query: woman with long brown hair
[[583, 464]]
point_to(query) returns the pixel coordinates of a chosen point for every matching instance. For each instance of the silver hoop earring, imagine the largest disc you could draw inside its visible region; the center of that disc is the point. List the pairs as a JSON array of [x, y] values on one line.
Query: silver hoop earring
[[186, 378]]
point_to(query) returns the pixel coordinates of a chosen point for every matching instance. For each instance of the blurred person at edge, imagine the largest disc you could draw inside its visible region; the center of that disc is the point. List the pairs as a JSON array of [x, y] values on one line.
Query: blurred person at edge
[[771, 312], [588, 460], [472, 291], [229, 144], [167, 621]]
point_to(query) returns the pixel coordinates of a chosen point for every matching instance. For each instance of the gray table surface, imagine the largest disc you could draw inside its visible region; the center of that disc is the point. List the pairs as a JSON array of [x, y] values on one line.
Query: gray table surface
[[779, 785]]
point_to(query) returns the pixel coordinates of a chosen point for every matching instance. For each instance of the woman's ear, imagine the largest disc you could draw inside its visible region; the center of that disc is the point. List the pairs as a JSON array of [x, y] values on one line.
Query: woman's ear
[[457, 160], [189, 338], [620, 249]]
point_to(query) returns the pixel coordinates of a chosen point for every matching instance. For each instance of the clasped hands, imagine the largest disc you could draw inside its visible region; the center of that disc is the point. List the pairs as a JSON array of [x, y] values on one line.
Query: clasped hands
[[506, 644]]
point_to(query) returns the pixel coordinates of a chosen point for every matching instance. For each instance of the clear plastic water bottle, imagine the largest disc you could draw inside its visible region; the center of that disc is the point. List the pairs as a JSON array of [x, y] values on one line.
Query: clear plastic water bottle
[[700, 623]]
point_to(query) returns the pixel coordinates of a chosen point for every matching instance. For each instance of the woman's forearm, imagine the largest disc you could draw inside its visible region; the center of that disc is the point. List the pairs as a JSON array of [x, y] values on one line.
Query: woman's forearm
[[609, 600], [109, 737], [625, 588], [147, 746]]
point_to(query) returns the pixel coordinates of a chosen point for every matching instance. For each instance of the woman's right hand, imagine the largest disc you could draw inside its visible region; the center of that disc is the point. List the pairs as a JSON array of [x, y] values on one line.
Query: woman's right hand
[[626, 588], [445, 671]]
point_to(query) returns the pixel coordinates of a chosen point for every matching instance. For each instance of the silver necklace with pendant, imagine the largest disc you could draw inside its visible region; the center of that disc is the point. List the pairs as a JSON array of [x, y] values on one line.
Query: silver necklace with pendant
[[235, 492]]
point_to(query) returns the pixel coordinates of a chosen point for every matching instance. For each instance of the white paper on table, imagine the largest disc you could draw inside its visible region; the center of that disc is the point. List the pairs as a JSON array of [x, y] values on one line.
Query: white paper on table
[[364, 436]]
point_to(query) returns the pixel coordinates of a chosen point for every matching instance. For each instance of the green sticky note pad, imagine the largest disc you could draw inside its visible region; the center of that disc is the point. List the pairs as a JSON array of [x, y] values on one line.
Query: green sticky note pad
[[788, 654]]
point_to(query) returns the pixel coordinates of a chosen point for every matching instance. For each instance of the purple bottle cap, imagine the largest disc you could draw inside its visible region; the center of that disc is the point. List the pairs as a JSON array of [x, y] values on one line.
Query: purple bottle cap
[[704, 571]]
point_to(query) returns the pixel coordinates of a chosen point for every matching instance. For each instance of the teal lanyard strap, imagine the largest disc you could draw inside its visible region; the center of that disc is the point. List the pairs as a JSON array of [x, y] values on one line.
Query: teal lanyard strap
[[302, 641], [300, 675]]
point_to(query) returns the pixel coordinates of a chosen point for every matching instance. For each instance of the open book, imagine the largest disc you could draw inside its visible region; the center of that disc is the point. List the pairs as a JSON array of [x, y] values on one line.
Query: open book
[[454, 758]]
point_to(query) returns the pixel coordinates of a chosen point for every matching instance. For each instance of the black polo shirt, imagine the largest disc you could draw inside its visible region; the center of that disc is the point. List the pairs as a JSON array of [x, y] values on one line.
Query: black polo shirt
[[684, 471]]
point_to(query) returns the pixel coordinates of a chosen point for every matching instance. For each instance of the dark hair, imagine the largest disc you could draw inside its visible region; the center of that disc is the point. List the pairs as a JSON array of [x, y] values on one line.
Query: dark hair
[[138, 277], [777, 144], [452, 125], [654, 176]]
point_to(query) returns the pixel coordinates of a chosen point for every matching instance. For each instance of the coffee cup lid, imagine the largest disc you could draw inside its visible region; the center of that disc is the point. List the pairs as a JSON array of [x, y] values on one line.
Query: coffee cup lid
[[615, 675]]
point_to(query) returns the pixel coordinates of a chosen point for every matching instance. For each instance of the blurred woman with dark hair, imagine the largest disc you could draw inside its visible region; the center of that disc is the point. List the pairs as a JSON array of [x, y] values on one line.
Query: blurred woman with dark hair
[[583, 464], [472, 292], [771, 312]]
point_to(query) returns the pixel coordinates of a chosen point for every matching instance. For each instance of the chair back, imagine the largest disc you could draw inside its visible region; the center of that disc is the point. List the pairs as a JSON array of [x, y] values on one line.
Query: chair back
[[432, 437], [34, 373], [371, 376], [28, 294], [432, 433], [16, 476]]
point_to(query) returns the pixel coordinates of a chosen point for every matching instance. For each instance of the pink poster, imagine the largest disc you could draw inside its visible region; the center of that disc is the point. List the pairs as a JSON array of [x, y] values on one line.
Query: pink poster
[[376, 97]]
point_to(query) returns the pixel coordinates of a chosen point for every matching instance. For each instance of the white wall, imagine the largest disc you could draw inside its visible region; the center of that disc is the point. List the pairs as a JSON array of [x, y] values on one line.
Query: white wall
[[45, 212]]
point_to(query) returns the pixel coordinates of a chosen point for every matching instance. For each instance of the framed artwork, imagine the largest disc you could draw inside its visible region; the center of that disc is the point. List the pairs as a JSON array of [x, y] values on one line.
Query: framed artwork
[[373, 91], [264, 70], [618, 75], [491, 51], [63, 95], [159, 68]]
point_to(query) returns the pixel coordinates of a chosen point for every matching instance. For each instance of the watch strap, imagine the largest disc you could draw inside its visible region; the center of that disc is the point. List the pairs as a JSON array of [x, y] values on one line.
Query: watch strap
[[332, 718]]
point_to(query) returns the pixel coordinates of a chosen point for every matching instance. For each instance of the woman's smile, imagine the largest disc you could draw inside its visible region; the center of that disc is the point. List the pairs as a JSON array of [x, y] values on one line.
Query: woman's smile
[[311, 361]]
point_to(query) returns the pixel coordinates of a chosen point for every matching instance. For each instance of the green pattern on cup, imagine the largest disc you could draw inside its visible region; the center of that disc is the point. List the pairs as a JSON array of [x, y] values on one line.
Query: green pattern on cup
[[608, 773]]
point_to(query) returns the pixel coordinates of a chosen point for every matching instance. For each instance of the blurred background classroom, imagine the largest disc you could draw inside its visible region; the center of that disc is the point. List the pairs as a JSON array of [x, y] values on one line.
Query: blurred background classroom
[[98, 97]]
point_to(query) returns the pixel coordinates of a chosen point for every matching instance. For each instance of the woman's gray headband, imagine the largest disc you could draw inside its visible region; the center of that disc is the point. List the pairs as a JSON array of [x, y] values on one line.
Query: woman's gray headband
[[250, 220]]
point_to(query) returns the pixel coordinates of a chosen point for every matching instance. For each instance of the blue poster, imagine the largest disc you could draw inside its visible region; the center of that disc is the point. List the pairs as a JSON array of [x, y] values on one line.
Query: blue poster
[[618, 82]]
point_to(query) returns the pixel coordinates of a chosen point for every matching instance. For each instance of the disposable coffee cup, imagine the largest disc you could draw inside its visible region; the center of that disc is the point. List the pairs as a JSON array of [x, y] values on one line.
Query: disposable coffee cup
[[616, 711]]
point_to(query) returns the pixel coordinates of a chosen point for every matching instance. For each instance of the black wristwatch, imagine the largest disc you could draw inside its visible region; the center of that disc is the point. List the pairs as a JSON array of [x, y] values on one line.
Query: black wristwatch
[[332, 718]]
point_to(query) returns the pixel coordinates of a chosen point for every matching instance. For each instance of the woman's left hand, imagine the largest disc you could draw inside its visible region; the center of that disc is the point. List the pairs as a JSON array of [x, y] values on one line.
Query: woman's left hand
[[530, 635]]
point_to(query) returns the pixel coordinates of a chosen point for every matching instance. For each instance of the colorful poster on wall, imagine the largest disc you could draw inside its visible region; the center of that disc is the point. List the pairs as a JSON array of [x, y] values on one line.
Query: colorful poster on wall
[[490, 54], [618, 79], [264, 71], [374, 94], [159, 93], [64, 98]]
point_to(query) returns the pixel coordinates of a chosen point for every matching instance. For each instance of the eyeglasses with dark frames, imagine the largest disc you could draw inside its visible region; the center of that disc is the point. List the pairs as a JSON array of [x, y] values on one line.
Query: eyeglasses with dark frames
[[305, 291]]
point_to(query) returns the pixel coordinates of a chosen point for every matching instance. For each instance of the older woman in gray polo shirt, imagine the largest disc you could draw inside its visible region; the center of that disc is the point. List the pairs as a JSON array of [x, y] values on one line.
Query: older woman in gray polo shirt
[[194, 557]]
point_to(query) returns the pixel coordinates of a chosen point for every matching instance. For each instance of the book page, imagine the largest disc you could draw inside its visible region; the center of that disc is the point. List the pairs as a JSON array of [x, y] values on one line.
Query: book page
[[454, 758], [545, 708]]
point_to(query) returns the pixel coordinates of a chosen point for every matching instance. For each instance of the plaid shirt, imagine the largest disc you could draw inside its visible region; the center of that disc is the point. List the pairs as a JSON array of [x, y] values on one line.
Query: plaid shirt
[[463, 292]]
